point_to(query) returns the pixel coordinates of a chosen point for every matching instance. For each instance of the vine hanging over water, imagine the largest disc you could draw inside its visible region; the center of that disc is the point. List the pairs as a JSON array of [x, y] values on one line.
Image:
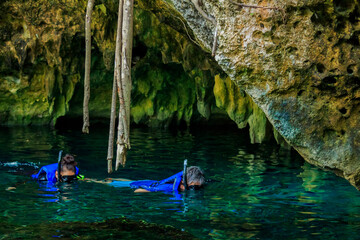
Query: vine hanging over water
[[121, 82], [86, 121], [122, 85]]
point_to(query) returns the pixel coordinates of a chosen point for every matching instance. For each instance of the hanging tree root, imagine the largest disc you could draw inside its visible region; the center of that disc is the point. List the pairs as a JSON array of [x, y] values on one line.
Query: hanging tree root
[[255, 6], [116, 89], [120, 155], [125, 111], [195, 41], [86, 121], [198, 4], [126, 52], [202, 12], [214, 47], [112, 128], [123, 79]]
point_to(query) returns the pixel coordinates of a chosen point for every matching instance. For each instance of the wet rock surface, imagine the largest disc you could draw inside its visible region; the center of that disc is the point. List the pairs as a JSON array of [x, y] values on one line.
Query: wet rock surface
[[175, 83], [301, 68]]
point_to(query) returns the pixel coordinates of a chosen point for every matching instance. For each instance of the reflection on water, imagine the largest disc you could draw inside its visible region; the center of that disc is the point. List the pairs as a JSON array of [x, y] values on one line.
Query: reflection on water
[[260, 191]]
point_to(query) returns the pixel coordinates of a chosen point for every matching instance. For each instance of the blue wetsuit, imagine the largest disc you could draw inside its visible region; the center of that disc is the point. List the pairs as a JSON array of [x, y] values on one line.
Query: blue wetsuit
[[170, 184], [49, 172], [47, 182]]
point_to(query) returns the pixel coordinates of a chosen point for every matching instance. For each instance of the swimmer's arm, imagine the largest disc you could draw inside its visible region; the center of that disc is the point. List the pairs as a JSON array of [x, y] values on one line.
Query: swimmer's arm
[[96, 181], [109, 180], [119, 179], [140, 190], [15, 186], [106, 180]]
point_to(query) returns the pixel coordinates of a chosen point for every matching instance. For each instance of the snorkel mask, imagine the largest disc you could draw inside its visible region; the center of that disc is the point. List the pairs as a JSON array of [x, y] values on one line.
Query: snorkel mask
[[194, 187], [68, 179]]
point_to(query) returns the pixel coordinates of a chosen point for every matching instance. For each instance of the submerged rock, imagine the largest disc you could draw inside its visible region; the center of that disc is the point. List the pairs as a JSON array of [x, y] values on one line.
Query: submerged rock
[[119, 228]]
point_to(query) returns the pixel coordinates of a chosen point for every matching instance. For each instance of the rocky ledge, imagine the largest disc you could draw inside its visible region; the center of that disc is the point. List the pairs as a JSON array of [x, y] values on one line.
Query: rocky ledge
[[299, 64]]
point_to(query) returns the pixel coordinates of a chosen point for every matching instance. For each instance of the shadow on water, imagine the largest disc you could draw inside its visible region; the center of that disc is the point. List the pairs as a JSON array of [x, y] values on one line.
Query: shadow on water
[[261, 191]]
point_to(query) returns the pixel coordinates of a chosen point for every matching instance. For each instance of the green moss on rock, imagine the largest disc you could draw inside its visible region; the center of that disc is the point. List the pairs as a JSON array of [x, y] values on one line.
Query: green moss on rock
[[174, 81], [241, 109]]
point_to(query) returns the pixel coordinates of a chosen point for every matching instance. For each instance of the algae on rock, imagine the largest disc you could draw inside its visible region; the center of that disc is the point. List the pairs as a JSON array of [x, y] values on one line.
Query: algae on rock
[[242, 110], [32, 66], [174, 81]]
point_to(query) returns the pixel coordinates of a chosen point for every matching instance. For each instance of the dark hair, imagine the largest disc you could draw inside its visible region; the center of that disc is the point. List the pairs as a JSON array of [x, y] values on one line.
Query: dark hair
[[69, 163], [195, 174]]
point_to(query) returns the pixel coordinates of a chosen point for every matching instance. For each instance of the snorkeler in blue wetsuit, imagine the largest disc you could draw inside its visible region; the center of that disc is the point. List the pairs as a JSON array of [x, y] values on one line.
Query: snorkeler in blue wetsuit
[[48, 174], [63, 171], [194, 175]]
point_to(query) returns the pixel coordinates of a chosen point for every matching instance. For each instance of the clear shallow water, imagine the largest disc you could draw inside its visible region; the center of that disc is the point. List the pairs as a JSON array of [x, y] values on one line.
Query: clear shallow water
[[262, 192]]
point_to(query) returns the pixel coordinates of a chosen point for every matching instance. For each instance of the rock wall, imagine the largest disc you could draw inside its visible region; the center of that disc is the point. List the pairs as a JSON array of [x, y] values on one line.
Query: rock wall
[[174, 81], [38, 71], [300, 66]]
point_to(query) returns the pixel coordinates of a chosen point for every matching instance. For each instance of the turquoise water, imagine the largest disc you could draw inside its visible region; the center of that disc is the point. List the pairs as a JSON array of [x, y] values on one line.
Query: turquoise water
[[261, 192]]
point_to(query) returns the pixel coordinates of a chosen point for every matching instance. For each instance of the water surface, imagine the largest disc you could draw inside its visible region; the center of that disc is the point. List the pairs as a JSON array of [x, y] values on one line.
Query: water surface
[[261, 191]]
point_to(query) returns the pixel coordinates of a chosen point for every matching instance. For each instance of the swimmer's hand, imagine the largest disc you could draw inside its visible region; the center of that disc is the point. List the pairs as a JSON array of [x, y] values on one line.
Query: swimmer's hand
[[140, 190]]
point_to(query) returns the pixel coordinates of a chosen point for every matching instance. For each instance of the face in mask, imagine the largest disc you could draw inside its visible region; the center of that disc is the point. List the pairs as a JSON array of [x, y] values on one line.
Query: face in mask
[[68, 179], [194, 187]]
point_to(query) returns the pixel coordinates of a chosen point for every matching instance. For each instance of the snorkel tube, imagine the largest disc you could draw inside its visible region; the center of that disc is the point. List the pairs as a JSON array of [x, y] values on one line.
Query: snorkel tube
[[186, 207], [184, 175], [59, 167]]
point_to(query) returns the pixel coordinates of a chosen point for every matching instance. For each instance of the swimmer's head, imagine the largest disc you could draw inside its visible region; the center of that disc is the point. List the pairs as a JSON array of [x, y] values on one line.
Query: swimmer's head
[[195, 178], [67, 166]]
